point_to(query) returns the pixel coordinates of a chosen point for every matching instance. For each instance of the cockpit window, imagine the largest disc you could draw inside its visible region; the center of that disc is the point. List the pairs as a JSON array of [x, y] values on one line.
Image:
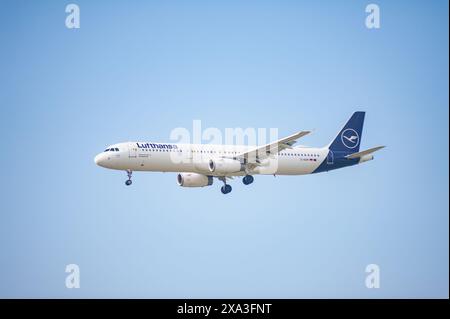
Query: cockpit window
[[107, 150], [116, 149]]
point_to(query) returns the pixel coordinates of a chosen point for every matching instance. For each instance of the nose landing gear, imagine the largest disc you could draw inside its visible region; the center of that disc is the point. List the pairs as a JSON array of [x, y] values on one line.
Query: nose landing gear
[[128, 182]]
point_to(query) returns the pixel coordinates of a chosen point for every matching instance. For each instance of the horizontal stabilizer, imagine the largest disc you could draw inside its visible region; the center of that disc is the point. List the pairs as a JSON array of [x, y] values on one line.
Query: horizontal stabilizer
[[366, 152]]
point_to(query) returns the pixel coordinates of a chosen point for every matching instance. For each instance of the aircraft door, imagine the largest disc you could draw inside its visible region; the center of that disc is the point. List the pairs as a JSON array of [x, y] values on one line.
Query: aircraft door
[[132, 150], [330, 157]]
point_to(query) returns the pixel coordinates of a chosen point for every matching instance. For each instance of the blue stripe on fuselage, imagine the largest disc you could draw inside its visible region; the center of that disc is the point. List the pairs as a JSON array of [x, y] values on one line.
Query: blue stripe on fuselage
[[339, 162]]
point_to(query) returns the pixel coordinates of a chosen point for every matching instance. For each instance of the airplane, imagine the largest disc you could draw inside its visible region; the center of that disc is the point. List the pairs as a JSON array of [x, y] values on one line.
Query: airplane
[[198, 164]]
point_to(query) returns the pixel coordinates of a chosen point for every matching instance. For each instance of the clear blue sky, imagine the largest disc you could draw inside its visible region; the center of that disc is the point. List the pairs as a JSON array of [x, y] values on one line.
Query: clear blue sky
[[135, 70]]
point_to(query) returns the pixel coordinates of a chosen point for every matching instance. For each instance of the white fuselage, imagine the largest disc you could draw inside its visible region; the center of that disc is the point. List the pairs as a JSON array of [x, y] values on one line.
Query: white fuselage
[[162, 157]]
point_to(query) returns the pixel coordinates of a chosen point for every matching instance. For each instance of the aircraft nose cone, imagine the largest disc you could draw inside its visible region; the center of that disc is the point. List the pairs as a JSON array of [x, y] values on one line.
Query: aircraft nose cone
[[99, 159]]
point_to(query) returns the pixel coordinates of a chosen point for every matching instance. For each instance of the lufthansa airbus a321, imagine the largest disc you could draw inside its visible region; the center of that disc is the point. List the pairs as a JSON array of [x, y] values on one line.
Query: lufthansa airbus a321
[[198, 164]]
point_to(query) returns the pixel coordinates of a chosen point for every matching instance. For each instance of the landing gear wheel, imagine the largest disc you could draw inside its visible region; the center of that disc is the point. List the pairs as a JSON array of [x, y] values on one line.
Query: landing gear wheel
[[248, 179], [128, 182], [225, 189]]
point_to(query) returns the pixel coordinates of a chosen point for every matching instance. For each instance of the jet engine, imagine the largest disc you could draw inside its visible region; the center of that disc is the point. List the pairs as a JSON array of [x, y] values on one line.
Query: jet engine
[[194, 180], [225, 166]]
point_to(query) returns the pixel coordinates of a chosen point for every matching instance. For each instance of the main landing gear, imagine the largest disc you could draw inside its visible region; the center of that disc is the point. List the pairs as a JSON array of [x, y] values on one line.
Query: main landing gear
[[247, 180], [225, 189], [128, 182]]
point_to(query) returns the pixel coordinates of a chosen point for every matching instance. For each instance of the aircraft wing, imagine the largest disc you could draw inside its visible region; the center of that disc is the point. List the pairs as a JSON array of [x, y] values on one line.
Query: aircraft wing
[[261, 152], [366, 152]]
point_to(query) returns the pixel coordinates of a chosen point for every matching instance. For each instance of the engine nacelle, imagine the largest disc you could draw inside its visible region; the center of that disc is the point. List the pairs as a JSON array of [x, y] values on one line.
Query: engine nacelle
[[194, 180], [225, 166], [201, 165], [366, 158]]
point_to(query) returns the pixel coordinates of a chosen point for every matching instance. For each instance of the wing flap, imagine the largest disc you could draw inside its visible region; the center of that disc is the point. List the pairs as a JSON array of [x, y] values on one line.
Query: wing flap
[[253, 155]]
